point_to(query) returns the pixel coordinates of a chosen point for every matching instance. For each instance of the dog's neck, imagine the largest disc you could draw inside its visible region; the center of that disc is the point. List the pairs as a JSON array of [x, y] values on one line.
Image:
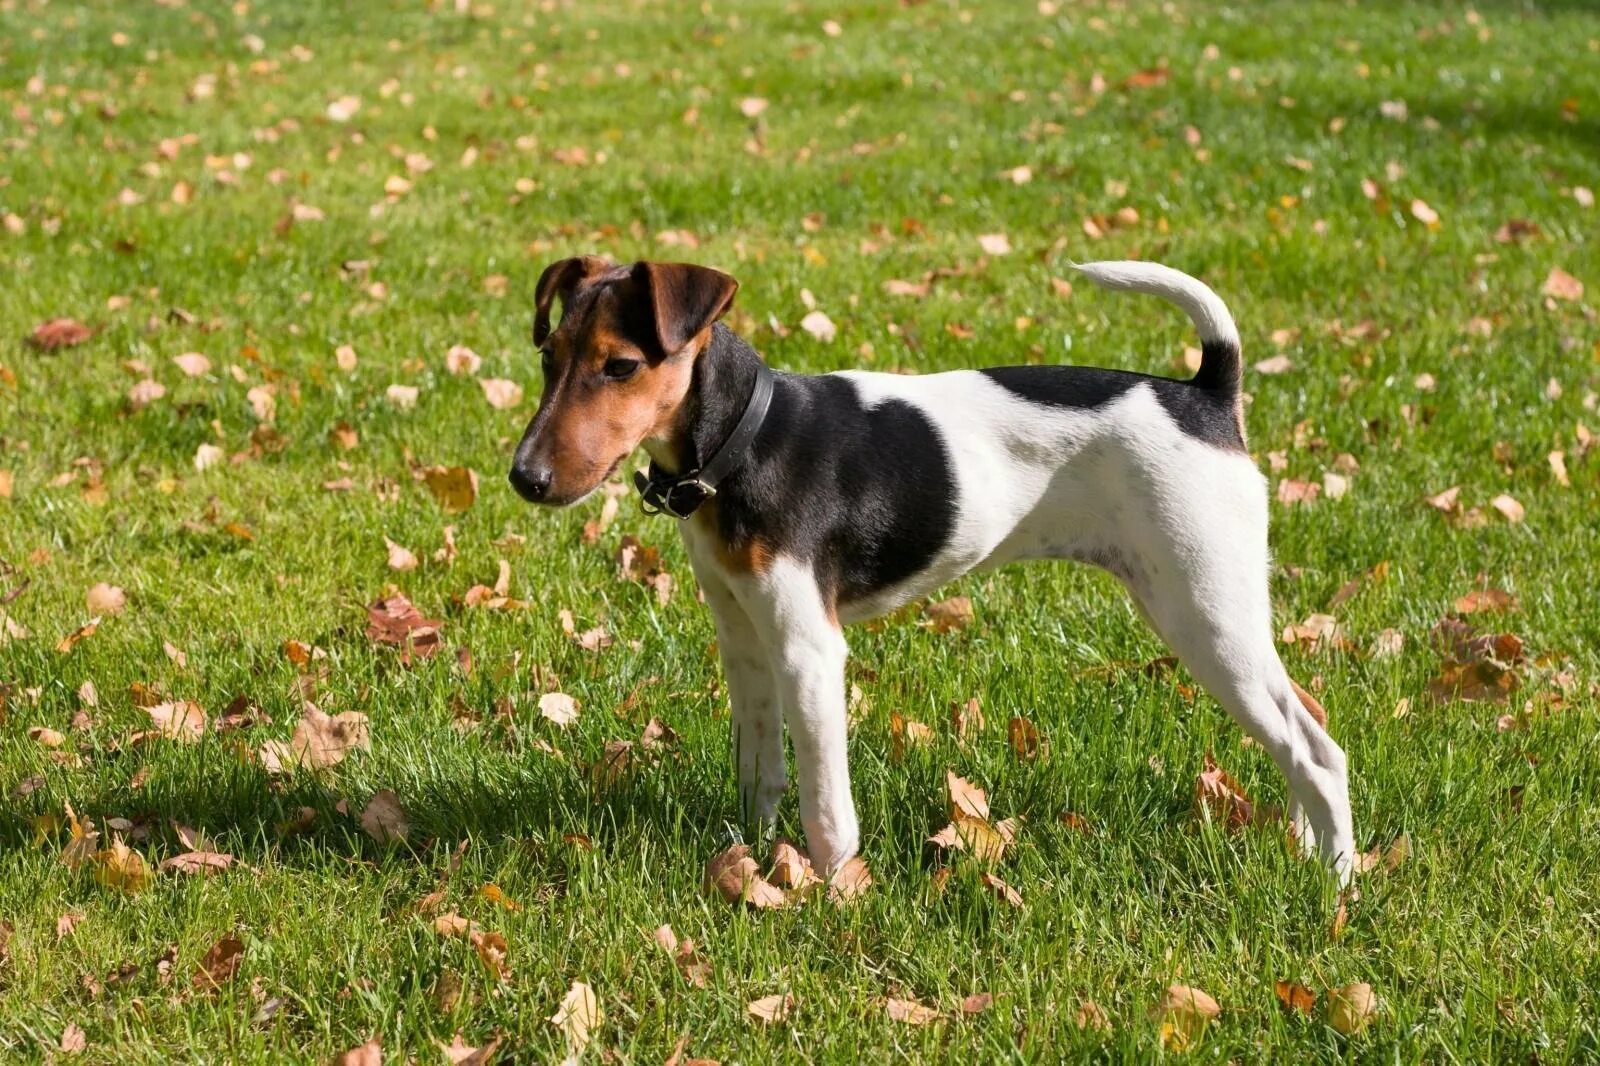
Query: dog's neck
[[724, 376]]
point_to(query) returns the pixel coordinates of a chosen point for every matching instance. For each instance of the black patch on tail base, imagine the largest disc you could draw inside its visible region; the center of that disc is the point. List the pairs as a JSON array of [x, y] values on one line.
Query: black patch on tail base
[[1204, 412], [866, 495]]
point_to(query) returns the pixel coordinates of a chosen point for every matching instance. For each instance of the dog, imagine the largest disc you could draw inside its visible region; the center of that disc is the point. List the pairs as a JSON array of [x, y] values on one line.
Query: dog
[[810, 502]]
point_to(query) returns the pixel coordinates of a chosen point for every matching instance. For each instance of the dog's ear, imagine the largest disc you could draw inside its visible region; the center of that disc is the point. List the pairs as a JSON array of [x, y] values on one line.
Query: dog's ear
[[684, 299], [560, 280]]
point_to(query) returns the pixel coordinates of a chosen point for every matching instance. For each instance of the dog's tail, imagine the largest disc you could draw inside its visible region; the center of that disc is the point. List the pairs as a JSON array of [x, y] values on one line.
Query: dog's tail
[[1220, 364]]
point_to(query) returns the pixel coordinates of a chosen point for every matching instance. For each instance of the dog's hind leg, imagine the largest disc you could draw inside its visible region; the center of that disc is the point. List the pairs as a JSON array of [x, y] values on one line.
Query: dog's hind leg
[[1203, 586]]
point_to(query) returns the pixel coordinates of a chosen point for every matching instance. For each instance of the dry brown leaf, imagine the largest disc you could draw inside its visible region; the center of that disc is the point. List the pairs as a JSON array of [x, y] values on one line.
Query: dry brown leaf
[[1024, 737], [46, 737], [966, 799], [1485, 599], [368, 1054], [400, 558], [1219, 798], [500, 393], [1509, 509], [736, 877], [791, 869], [183, 721], [1184, 1012], [578, 1015], [198, 862], [951, 614], [1090, 1015], [121, 868], [966, 718], [850, 882], [73, 1039], [773, 1010], [1002, 890], [383, 819], [820, 326], [71, 640], [454, 487], [558, 707], [1562, 286], [977, 1003], [104, 599], [462, 360], [1291, 492], [319, 741], [396, 621], [493, 952], [1295, 997], [219, 965], [460, 1053], [1310, 703], [911, 1012], [994, 243], [59, 333], [1351, 1007]]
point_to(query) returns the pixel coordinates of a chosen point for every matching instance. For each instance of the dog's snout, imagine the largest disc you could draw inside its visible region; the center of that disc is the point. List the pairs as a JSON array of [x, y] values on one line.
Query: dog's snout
[[531, 482]]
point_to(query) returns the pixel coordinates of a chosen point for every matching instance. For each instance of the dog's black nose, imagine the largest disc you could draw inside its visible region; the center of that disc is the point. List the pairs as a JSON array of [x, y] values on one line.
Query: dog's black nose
[[533, 484]]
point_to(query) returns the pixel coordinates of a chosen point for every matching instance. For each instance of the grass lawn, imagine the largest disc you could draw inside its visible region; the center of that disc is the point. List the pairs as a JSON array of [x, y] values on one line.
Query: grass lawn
[[266, 183]]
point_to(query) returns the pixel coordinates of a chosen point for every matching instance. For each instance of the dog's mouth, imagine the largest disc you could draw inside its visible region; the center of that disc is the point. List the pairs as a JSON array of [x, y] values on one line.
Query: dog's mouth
[[572, 501]]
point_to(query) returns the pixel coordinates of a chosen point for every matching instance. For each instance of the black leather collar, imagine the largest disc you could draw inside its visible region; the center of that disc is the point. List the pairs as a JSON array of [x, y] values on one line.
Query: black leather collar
[[680, 495]]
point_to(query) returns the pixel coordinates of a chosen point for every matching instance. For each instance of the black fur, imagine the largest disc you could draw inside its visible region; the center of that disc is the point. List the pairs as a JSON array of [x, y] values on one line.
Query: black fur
[[867, 497], [1204, 413]]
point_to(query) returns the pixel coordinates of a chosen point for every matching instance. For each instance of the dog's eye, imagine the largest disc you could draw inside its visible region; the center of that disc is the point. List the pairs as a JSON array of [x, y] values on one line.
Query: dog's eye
[[546, 362], [619, 369]]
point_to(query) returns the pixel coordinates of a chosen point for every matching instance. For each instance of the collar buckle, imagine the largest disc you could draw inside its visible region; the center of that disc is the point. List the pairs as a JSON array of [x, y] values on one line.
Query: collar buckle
[[678, 497]]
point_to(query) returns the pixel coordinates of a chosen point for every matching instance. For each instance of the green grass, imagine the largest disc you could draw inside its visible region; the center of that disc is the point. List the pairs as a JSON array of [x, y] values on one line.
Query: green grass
[[1482, 946]]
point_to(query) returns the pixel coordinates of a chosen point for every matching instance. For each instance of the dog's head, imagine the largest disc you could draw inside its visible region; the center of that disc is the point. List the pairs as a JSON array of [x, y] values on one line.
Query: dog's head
[[616, 368]]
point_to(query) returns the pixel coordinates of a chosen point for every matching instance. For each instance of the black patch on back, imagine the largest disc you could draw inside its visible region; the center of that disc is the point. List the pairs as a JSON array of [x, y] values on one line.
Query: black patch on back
[[867, 496], [1207, 415]]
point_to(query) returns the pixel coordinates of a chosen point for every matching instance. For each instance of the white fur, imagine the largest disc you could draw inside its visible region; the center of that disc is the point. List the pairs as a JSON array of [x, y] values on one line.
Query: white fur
[[1181, 523]]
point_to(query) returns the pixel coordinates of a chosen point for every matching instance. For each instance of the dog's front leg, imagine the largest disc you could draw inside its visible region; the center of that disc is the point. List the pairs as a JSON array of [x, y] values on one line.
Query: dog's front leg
[[807, 652], [753, 702]]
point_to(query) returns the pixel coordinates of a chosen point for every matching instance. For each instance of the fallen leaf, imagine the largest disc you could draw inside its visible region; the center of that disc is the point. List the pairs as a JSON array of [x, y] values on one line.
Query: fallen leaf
[[1562, 286], [1291, 492], [911, 1012], [578, 1015], [1516, 229], [193, 364], [59, 333], [454, 487], [46, 737], [402, 397], [319, 741], [460, 1053], [1509, 508], [791, 869], [1276, 364], [396, 621], [1184, 1012], [462, 360], [1148, 78], [977, 1003], [103, 599], [1351, 1007], [183, 721], [966, 799], [558, 707], [994, 243], [492, 951], [1024, 737], [736, 877], [73, 1039], [1485, 599], [219, 965], [1310, 703], [401, 558], [820, 326], [1090, 1015], [383, 819], [1002, 890], [198, 862], [144, 393], [500, 393], [944, 616], [121, 868], [208, 455], [1219, 798], [1424, 214], [1295, 997], [850, 882], [773, 1010], [368, 1054]]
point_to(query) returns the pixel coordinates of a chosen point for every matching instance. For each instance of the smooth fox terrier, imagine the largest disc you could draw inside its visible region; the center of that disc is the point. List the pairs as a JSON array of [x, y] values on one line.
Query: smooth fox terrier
[[808, 502]]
